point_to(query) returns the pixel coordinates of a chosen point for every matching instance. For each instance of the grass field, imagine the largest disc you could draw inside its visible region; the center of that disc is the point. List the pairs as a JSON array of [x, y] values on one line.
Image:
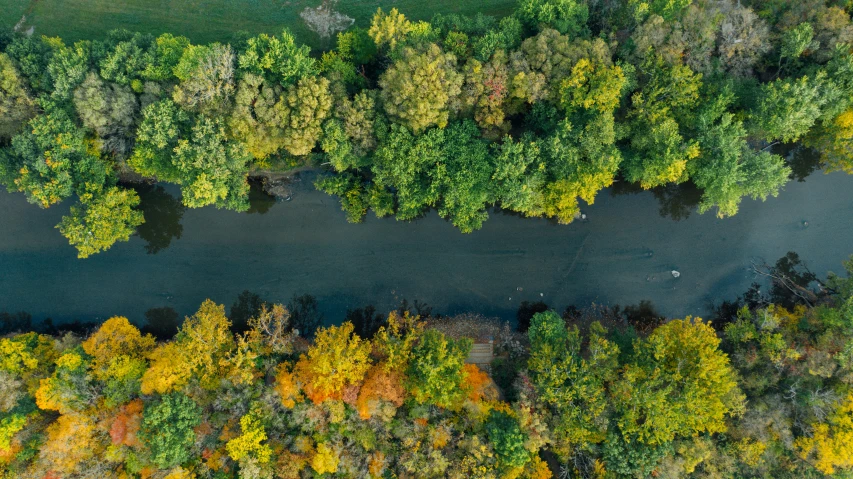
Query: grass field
[[214, 20]]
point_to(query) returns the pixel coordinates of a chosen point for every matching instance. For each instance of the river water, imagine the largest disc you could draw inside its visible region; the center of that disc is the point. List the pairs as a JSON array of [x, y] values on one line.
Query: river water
[[623, 253]]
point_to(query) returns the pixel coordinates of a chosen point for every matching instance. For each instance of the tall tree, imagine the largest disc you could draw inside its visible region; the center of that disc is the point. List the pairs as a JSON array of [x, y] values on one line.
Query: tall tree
[[421, 89], [278, 58], [16, 105], [206, 75], [727, 169], [788, 108], [109, 110], [337, 360], [102, 219], [51, 160], [434, 374]]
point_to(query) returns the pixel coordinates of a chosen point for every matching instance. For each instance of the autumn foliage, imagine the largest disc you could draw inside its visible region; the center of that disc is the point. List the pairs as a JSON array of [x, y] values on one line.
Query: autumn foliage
[[770, 392]]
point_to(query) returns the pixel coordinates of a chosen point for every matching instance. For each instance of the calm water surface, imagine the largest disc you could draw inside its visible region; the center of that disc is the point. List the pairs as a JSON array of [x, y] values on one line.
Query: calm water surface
[[622, 254]]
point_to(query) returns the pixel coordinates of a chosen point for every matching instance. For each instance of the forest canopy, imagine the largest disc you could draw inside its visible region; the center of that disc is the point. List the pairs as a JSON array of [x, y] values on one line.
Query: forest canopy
[[533, 113], [765, 390]]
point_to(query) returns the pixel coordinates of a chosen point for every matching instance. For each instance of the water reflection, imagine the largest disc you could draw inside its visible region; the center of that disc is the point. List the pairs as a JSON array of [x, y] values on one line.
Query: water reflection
[[676, 202], [162, 322], [623, 254], [259, 200], [163, 213], [803, 161]]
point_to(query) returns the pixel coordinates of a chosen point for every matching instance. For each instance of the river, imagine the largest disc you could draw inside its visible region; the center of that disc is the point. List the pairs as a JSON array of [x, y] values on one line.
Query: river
[[623, 253]]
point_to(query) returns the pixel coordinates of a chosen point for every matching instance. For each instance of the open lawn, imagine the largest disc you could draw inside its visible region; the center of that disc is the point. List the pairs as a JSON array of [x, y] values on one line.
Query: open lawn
[[214, 20]]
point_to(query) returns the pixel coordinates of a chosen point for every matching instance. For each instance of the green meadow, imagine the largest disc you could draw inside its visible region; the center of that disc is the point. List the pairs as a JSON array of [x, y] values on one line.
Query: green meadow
[[214, 20]]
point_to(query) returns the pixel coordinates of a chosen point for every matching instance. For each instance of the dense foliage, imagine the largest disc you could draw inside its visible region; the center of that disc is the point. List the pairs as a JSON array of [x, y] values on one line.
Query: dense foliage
[[533, 113], [768, 394]]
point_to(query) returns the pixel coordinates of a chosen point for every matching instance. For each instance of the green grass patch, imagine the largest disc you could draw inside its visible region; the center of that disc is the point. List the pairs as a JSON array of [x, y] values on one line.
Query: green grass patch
[[215, 20]]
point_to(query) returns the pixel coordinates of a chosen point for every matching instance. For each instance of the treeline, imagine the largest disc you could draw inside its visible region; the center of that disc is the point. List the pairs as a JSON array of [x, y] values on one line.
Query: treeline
[[586, 395], [531, 113]]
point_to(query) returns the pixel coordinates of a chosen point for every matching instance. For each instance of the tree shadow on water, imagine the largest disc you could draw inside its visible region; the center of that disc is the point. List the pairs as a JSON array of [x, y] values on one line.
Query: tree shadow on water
[[259, 200], [676, 201], [163, 322], [803, 162], [163, 213]]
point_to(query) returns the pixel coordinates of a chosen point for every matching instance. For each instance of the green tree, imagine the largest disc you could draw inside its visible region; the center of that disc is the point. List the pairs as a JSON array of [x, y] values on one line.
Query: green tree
[[338, 147], [356, 45], [508, 439], [126, 57], [305, 106], [520, 175], [571, 385], [164, 56], [659, 153], [98, 222], [67, 66], [51, 160], [199, 157], [358, 120], [421, 89], [109, 111], [788, 108], [163, 124], [31, 55], [466, 189], [406, 163], [434, 374], [356, 196], [727, 169], [568, 17], [258, 116], [668, 9], [278, 58], [449, 168], [795, 42], [16, 105], [206, 75], [582, 161], [167, 429], [212, 170]]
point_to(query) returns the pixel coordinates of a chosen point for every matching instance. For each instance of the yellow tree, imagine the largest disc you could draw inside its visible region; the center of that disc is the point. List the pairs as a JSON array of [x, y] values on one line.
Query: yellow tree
[[389, 29], [422, 89], [29, 356], [338, 358], [201, 350], [681, 385], [118, 353], [70, 441], [831, 444], [115, 338], [249, 443]]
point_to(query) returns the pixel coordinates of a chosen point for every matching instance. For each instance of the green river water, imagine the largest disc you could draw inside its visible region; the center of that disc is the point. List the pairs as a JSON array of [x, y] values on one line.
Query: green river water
[[623, 253]]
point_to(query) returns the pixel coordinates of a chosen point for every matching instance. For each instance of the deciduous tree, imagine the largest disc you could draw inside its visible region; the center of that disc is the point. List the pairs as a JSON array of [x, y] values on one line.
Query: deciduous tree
[[434, 373], [167, 429], [337, 359], [102, 219], [421, 89], [16, 105]]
